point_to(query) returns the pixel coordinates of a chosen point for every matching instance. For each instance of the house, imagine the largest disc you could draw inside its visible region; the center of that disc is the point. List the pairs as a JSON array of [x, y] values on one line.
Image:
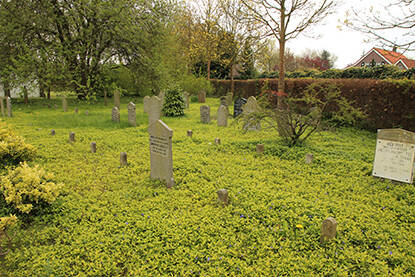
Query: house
[[377, 56]]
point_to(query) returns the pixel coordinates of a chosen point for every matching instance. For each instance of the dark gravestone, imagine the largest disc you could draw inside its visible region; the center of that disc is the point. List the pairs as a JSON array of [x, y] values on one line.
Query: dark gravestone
[[237, 107]]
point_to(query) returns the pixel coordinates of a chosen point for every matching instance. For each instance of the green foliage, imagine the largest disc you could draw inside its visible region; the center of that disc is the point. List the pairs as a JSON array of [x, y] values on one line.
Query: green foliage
[[193, 84], [173, 103], [26, 188], [13, 149]]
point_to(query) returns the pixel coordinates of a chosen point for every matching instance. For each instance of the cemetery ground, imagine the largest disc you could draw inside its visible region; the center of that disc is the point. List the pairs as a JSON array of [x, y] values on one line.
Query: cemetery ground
[[116, 221]]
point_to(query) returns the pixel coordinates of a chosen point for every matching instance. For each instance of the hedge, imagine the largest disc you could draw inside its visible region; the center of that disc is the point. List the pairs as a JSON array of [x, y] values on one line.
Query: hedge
[[387, 103]]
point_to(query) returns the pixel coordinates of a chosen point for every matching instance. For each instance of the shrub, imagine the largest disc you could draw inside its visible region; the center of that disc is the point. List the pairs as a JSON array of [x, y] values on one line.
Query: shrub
[[13, 149], [193, 85], [26, 188], [5, 224], [173, 103]]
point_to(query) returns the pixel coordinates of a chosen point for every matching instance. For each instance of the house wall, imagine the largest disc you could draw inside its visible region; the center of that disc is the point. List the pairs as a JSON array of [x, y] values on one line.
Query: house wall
[[372, 56]]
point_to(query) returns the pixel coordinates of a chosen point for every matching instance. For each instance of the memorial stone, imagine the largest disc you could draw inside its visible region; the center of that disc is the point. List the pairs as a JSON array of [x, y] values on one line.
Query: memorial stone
[[260, 148], [132, 114], [146, 103], [52, 132], [93, 147], [328, 229], [222, 118], [186, 97], [161, 153], [123, 159], [217, 141], [189, 133], [237, 106], [202, 97], [229, 99], [153, 106], [251, 106], [115, 115], [205, 114], [117, 99], [9, 106], [64, 104], [223, 197], [309, 158], [3, 113], [71, 137]]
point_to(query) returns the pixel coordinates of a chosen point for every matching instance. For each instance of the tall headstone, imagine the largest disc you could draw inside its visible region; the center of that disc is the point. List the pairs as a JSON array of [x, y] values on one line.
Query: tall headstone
[[153, 107], [328, 229], [117, 99], [186, 97], [395, 155], [161, 153], [202, 96], [64, 104], [205, 114], [251, 106], [161, 95], [3, 113], [131, 114], [9, 106], [222, 117], [146, 103], [237, 106], [115, 115]]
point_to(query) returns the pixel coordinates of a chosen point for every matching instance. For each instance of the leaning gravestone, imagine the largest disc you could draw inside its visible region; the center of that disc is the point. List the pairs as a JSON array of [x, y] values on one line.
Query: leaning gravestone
[[251, 106], [115, 115], [131, 114], [153, 107], [202, 96], [395, 155], [64, 104], [9, 106], [117, 99], [2, 106], [186, 99], [237, 106], [205, 114], [161, 153], [222, 117]]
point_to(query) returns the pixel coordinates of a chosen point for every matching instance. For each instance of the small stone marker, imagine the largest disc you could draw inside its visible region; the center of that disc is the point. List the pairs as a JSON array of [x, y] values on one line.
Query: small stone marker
[[123, 159], [309, 158], [71, 137], [217, 141], [64, 104], [395, 155], [132, 114], [52, 132], [202, 97], [251, 106], [189, 133], [186, 97], [260, 148], [93, 147], [223, 197], [328, 229], [9, 106], [146, 103], [205, 114], [153, 107], [3, 113], [115, 115], [222, 118], [237, 106], [76, 110], [117, 99], [161, 152]]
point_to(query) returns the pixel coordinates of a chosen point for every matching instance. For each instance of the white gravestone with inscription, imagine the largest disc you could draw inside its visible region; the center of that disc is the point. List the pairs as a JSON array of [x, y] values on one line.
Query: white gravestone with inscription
[[395, 155], [161, 153]]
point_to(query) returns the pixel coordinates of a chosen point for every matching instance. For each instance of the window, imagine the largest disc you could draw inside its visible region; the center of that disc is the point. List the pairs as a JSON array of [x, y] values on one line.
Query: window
[[382, 63], [363, 64]]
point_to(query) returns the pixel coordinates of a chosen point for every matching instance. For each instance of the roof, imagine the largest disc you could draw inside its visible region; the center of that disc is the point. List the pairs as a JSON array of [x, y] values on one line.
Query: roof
[[390, 57]]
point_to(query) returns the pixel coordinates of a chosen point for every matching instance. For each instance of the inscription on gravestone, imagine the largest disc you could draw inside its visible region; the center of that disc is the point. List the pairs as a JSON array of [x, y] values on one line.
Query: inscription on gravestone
[[205, 114], [395, 155], [9, 106], [159, 145], [237, 106], [115, 115]]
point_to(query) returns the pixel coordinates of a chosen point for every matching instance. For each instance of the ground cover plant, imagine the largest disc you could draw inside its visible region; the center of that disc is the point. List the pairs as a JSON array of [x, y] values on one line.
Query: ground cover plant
[[115, 221]]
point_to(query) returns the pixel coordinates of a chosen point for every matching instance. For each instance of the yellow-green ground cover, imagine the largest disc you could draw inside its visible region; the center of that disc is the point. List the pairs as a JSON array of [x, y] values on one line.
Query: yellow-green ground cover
[[112, 221]]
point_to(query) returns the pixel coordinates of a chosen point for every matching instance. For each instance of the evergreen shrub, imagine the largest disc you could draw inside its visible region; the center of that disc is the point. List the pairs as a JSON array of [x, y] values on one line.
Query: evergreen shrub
[[173, 103]]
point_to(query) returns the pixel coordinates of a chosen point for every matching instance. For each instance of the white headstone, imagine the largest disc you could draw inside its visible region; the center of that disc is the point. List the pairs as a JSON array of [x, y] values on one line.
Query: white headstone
[[222, 117], [131, 114], [251, 106], [395, 155], [115, 115], [146, 103], [161, 153], [9, 106], [153, 107], [205, 114]]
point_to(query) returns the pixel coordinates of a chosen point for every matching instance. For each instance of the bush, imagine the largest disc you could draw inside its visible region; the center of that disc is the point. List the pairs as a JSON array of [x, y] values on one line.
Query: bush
[[26, 188], [173, 103], [193, 85], [13, 149]]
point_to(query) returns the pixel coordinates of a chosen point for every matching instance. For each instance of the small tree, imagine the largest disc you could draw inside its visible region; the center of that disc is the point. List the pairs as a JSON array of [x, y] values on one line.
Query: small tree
[[173, 103]]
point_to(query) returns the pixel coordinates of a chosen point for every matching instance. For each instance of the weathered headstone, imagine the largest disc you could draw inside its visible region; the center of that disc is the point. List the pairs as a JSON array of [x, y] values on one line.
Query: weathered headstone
[[153, 107], [260, 148], [223, 101], [64, 104], [71, 137], [309, 158], [93, 147], [123, 159], [237, 106], [186, 97], [162, 95], [189, 133], [131, 114], [52, 132], [202, 96], [146, 103], [395, 155], [115, 115], [328, 229], [217, 141], [251, 106], [229, 99], [76, 110], [161, 153], [223, 197], [9, 107], [117, 99], [3, 113], [205, 114], [222, 118]]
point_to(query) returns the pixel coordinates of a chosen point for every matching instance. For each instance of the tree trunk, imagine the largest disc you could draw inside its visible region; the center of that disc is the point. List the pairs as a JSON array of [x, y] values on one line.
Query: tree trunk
[[208, 69], [41, 89], [25, 95], [48, 92], [6, 88], [232, 81]]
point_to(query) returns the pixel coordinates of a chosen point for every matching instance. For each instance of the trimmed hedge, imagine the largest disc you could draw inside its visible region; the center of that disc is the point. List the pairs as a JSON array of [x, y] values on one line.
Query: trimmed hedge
[[387, 103]]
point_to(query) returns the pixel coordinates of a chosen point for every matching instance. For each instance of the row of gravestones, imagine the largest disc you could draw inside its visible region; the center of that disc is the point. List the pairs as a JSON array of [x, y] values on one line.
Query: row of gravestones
[[115, 115], [8, 107]]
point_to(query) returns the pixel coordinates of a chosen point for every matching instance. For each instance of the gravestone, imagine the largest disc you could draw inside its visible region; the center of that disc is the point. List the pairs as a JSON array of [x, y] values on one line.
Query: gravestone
[[229, 99], [395, 155], [86, 112], [205, 114], [76, 110], [260, 148], [146, 103], [251, 106], [186, 97], [202, 96], [64, 104], [71, 137], [115, 115], [117, 99], [217, 141], [93, 147], [52, 132], [153, 107], [222, 118], [9, 106], [189, 133], [237, 106], [223, 101], [123, 159], [328, 229], [131, 114], [223, 197], [309, 158], [3, 113], [161, 153], [162, 95]]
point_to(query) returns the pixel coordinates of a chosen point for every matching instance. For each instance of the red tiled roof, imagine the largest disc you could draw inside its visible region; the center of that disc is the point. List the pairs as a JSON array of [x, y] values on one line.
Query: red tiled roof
[[409, 63], [394, 57]]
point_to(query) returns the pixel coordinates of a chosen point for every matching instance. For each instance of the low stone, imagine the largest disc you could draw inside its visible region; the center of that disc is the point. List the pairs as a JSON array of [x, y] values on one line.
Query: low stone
[[52, 132], [223, 197], [76, 110], [309, 158], [217, 141], [189, 133], [93, 147], [260, 148], [123, 159], [328, 229], [71, 137], [86, 112]]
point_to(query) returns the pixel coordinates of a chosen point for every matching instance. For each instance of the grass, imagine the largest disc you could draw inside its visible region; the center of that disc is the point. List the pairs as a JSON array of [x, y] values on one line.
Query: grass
[[113, 221]]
